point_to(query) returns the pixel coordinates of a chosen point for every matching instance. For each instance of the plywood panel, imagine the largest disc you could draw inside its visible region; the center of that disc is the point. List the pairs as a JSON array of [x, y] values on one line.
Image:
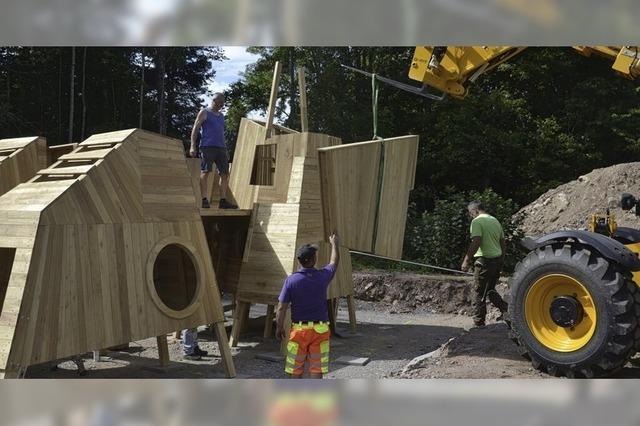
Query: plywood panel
[[249, 135], [349, 178], [398, 180], [365, 192]]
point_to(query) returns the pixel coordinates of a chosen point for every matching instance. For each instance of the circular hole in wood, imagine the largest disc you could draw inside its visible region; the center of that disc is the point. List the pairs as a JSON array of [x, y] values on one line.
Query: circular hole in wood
[[175, 277]]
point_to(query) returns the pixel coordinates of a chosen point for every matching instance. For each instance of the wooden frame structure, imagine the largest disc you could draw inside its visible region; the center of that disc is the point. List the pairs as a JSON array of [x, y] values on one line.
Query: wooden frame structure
[[104, 247]]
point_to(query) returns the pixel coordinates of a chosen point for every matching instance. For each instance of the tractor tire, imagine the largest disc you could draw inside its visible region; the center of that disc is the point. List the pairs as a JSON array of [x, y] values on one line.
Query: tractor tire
[[595, 341]]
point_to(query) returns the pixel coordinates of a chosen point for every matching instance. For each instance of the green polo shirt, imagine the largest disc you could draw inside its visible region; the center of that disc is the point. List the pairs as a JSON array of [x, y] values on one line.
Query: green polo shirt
[[489, 230]]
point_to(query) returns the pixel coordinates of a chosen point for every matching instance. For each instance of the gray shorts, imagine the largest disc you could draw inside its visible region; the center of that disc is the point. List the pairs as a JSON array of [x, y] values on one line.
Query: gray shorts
[[212, 154]]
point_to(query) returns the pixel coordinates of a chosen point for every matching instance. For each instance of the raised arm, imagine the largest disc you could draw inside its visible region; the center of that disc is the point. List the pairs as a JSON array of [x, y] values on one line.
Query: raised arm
[[335, 252], [202, 115]]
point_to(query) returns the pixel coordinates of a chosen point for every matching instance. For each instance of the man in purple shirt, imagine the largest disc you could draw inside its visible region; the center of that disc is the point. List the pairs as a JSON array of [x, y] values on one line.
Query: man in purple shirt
[[212, 150], [306, 292]]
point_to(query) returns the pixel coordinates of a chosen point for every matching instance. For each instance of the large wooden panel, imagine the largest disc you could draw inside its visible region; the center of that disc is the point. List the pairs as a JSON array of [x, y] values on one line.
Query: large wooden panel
[[249, 135], [398, 180], [349, 179], [365, 192]]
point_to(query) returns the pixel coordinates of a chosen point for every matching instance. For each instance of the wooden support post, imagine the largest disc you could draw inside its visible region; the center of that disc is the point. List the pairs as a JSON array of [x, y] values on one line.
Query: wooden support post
[[245, 318], [352, 312], [225, 350], [238, 317], [273, 98], [332, 316], [302, 87], [177, 335], [268, 322], [163, 350]]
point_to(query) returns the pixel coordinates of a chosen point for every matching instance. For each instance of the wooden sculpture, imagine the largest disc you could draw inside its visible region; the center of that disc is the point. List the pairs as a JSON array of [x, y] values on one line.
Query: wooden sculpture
[[104, 247]]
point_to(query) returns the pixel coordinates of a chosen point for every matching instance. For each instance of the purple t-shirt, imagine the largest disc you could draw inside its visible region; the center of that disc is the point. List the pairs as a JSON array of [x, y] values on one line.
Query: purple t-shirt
[[306, 290]]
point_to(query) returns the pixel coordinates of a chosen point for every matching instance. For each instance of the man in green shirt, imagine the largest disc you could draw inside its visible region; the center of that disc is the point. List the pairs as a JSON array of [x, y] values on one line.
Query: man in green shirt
[[487, 249]]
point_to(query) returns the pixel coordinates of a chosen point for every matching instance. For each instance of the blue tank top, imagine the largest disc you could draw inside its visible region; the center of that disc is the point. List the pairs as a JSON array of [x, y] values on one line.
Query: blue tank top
[[213, 130]]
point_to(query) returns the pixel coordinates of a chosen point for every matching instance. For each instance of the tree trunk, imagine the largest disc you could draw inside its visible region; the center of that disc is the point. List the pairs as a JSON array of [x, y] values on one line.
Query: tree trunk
[[60, 98], [162, 96], [72, 93], [142, 88], [84, 94], [293, 104]]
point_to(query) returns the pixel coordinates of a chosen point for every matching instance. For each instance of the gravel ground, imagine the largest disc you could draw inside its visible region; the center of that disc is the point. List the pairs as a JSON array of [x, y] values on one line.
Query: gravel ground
[[389, 340]]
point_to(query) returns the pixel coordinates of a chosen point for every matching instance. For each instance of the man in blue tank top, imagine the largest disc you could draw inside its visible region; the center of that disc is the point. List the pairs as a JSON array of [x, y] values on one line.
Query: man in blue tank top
[[212, 150]]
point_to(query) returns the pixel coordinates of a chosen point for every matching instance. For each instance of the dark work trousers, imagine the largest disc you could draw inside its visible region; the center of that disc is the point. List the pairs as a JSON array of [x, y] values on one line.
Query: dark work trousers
[[486, 275]]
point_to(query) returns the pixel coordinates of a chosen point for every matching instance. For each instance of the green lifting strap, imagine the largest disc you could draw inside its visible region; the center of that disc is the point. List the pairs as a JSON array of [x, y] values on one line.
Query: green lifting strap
[[374, 105]]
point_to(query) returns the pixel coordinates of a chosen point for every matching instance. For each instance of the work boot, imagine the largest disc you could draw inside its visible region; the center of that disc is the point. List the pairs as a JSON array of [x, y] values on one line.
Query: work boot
[[224, 204], [205, 204]]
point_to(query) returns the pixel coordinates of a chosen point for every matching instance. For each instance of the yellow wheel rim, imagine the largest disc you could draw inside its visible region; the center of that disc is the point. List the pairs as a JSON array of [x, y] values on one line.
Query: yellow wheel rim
[[537, 313]]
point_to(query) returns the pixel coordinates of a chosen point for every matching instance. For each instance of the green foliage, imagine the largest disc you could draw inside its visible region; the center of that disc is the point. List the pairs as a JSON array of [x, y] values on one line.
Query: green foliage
[[440, 237], [35, 89]]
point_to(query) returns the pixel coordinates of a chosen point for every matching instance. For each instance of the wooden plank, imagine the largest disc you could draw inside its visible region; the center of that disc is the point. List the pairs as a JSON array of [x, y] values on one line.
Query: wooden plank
[[66, 170], [225, 351], [240, 187], [163, 350], [239, 316], [352, 312], [273, 97], [302, 87], [397, 181], [225, 212], [94, 154]]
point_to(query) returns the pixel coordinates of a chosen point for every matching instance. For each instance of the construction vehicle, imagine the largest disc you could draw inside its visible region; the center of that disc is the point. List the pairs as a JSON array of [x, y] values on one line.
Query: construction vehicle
[[575, 297]]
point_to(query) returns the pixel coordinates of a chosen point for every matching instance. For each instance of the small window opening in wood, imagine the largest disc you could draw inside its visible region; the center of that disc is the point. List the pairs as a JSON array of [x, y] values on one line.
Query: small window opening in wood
[[175, 277], [264, 165]]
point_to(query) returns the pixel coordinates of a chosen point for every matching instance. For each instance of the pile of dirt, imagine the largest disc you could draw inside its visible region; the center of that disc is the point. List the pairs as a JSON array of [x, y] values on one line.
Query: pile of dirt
[[404, 292], [570, 206]]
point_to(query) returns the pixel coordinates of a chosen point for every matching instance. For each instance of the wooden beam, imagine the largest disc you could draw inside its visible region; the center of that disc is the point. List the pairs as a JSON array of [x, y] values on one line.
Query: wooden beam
[[225, 351], [240, 314], [352, 312], [302, 87], [163, 350], [273, 97]]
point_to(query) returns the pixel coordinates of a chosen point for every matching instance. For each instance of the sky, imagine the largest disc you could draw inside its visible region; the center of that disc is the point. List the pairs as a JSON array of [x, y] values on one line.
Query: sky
[[230, 71]]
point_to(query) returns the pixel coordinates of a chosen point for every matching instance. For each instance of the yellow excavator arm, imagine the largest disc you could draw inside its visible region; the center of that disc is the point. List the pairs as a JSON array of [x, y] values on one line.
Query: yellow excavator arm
[[451, 69]]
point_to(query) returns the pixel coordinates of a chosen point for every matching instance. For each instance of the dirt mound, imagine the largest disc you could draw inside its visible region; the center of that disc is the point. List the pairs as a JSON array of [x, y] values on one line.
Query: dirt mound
[[570, 206], [403, 292]]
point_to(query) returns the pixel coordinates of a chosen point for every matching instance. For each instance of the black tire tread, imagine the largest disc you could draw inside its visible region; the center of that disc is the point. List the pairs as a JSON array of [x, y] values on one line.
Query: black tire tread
[[623, 340]]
